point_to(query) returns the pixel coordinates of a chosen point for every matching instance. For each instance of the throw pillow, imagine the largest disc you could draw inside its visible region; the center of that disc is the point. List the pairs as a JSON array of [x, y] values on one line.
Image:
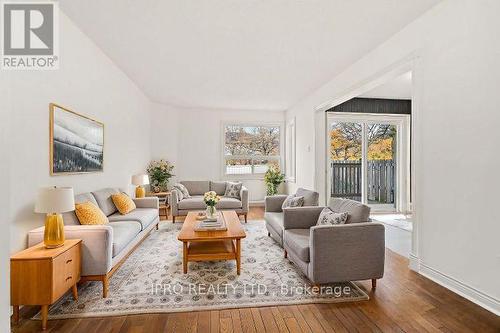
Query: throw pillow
[[233, 190], [89, 213], [184, 191], [329, 217], [293, 201], [123, 203]]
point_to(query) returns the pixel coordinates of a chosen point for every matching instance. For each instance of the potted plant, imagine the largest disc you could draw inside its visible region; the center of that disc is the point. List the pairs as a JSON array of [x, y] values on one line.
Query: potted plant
[[160, 172], [211, 199], [273, 178]]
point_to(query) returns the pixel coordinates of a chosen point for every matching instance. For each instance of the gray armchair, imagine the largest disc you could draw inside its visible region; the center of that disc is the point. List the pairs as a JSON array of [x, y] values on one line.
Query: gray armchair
[[335, 253], [274, 215]]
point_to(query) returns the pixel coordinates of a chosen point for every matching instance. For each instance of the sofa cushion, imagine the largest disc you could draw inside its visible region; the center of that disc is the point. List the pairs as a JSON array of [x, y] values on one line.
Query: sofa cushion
[[218, 187], [358, 212], [192, 203], [297, 241], [228, 203], [197, 187], [311, 198], [70, 217], [275, 221], [123, 203], [145, 216], [233, 190], [123, 233], [103, 198]]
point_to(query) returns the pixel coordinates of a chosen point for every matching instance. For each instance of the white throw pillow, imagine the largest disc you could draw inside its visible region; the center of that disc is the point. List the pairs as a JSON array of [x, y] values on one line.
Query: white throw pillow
[[183, 190], [293, 201], [329, 217], [233, 190]]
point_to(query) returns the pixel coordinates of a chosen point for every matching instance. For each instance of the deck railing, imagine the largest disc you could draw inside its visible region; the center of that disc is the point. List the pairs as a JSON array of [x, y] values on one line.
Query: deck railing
[[346, 180]]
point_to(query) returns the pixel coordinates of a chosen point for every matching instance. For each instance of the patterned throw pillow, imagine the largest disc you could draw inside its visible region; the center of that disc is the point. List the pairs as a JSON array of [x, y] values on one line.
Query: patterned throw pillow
[[182, 190], [233, 190], [293, 201], [89, 213], [123, 203], [329, 217]]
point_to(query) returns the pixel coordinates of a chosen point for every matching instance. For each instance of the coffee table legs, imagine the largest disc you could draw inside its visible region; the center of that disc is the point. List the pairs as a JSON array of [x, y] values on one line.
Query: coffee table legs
[[185, 257], [238, 256]]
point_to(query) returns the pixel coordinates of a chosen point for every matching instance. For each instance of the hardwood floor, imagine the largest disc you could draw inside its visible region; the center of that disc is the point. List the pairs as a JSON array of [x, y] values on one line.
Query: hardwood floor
[[404, 301]]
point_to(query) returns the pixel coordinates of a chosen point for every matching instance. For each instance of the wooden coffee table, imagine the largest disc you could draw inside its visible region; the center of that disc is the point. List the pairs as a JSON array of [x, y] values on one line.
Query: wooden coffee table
[[212, 245]]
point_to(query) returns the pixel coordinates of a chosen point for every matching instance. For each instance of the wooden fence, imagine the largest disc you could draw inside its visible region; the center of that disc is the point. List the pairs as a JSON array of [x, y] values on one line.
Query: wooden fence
[[346, 180]]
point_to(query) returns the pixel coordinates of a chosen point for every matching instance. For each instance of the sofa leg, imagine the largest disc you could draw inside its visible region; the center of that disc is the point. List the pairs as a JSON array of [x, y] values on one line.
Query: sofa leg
[[268, 234], [246, 221], [157, 225], [173, 219], [286, 254], [105, 286], [374, 283]]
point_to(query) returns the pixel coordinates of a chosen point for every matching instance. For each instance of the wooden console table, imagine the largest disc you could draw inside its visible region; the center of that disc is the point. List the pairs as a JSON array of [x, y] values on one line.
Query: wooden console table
[[40, 276]]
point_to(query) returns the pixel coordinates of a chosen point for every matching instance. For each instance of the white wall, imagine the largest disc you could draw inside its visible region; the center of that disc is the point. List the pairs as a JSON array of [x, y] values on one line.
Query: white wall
[[456, 82], [198, 136], [89, 83]]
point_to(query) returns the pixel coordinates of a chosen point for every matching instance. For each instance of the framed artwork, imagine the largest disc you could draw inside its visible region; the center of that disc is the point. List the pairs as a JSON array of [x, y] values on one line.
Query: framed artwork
[[76, 142]]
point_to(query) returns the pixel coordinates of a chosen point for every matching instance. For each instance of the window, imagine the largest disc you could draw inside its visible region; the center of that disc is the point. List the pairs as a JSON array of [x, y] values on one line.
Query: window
[[251, 149], [290, 151]]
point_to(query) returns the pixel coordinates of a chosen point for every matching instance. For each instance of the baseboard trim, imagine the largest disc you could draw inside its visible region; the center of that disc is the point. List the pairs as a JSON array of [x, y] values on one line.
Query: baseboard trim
[[478, 297], [414, 263]]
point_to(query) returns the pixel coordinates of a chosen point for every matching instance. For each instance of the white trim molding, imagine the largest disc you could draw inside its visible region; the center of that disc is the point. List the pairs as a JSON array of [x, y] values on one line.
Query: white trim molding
[[478, 297]]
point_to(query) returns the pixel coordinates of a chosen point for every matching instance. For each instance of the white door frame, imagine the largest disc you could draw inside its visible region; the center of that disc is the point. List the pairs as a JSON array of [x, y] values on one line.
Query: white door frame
[[402, 122]]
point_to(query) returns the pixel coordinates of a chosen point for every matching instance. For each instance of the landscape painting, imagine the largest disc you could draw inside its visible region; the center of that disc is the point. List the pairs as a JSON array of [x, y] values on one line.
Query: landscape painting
[[76, 142]]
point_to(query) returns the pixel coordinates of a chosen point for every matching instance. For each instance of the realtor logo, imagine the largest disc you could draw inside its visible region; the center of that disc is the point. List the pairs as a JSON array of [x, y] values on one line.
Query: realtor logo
[[29, 37]]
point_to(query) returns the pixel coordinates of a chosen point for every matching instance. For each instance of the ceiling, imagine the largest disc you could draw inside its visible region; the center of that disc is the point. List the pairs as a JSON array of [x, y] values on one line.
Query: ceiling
[[399, 88], [238, 54]]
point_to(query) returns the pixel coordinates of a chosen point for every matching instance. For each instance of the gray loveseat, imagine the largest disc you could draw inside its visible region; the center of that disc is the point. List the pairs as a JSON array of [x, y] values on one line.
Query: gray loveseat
[[274, 213], [335, 253], [195, 202], [105, 247]]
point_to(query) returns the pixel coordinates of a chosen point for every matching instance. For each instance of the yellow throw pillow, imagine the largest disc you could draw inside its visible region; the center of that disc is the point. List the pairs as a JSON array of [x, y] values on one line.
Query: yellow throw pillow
[[123, 203], [89, 213]]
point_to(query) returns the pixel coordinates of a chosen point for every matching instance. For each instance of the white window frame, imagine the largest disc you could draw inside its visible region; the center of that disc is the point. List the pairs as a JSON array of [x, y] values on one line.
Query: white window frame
[[279, 158], [291, 151]]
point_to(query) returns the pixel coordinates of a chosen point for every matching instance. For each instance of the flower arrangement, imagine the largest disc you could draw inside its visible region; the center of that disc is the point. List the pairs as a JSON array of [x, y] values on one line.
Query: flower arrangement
[[160, 172], [211, 199], [273, 179]]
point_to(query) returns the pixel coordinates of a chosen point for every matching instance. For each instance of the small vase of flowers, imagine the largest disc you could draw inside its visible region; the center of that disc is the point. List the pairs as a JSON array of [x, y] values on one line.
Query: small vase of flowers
[[273, 178], [211, 199]]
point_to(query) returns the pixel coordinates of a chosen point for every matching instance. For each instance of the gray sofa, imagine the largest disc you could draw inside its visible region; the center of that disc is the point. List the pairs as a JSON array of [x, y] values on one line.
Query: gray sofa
[[105, 247], [195, 202], [274, 214], [335, 253]]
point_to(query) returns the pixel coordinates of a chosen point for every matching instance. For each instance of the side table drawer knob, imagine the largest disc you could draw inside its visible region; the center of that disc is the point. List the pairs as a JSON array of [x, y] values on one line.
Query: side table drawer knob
[[69, 260], [69, 278]]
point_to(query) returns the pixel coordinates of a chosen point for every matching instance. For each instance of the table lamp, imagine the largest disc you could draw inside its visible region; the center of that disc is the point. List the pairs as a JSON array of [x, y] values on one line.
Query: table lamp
[[140, 180], [53, 201]]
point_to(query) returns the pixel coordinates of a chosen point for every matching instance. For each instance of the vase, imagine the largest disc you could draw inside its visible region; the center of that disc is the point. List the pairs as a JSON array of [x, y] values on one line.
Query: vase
[[211, 212]]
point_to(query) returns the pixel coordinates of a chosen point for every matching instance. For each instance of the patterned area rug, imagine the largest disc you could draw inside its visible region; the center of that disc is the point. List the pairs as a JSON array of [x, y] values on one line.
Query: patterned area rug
[[151, 280]]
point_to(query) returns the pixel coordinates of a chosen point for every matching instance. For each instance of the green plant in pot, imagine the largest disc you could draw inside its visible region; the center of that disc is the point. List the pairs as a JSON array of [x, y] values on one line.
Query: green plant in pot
[[273, 178], [160, 172]]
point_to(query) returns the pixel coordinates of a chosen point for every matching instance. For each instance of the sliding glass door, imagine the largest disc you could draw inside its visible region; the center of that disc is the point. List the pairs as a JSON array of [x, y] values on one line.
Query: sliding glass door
[[368, 159]]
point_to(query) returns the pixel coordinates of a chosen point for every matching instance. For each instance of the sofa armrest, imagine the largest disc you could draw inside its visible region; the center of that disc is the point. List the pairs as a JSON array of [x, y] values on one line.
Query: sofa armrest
[[244, 199], [97, 245], [174, 201], [149, 202], [301, 217], [347, 252], [273, 203]]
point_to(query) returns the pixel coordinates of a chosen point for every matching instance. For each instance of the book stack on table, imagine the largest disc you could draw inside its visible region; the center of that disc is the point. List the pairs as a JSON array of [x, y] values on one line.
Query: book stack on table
[[218, 224]]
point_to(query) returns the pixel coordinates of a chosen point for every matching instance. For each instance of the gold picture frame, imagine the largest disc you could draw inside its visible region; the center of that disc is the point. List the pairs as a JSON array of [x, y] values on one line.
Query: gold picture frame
[[76, 142]]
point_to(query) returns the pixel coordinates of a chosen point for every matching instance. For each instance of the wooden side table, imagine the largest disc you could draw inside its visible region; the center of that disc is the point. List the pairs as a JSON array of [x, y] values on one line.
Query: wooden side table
[[164, 202], [40, 276]]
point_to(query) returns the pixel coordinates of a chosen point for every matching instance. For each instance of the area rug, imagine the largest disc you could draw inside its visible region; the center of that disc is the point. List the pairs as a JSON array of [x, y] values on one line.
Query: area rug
[[151, 281]]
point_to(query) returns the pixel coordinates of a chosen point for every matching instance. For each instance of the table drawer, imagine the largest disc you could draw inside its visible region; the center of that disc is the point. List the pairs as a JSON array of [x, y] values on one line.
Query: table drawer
[[66, 270]]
